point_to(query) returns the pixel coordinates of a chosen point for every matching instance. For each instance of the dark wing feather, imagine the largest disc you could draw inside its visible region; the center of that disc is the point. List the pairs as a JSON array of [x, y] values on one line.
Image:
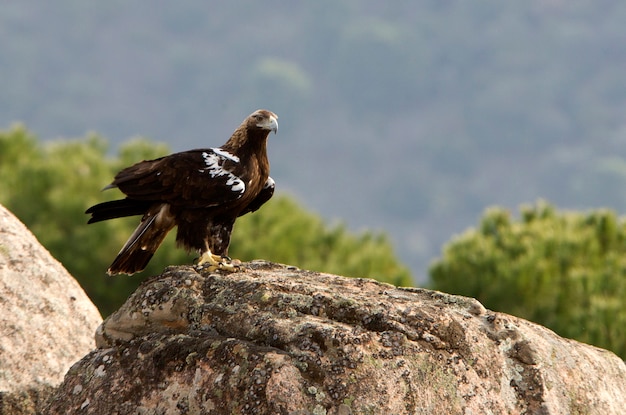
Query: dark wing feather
[[195, 178], [117, 209], [266, 194], [144, 241]]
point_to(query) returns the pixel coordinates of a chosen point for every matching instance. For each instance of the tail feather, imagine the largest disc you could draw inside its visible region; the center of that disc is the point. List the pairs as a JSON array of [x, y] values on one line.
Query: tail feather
[[117, 209], [143, 243]]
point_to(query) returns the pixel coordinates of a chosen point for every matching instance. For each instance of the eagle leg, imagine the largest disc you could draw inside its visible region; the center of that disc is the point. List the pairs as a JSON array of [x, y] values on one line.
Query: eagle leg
[[213, 262]]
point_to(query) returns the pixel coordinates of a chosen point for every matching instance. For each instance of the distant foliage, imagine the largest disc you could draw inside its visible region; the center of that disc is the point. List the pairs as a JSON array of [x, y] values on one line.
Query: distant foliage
[[441, 105], [287, 233], [563, 270], [49, 187]]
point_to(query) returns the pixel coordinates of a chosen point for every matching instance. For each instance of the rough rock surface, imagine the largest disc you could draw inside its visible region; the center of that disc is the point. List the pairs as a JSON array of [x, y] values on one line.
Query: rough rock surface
[[277, 340], [46, 320]]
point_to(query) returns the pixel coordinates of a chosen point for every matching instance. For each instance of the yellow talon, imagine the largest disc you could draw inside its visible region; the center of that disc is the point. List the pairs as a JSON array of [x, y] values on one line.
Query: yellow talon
[[213, 262]]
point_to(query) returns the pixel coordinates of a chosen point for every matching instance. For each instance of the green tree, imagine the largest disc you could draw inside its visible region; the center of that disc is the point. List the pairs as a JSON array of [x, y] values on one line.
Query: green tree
[[49, 187], [564, 270], [285, 232]]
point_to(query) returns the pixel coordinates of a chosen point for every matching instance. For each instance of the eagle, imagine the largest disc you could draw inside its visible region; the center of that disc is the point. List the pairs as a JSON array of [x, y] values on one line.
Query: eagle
[[202, 192]]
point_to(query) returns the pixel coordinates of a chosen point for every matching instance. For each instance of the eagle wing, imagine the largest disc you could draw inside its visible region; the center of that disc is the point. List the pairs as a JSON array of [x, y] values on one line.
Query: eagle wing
[[195, 178], [266, 194]]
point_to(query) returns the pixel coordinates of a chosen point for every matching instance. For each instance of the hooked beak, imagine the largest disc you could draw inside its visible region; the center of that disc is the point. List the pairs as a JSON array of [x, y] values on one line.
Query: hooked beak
[[273, 124], [270, 124]]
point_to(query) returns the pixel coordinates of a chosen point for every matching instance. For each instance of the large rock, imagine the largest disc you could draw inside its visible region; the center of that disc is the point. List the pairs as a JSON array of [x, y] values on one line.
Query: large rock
[[277, 340], [46, 320]]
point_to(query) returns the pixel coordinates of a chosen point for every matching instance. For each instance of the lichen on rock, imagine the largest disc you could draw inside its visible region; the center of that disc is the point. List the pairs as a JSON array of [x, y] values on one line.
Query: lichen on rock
[[275, 339]]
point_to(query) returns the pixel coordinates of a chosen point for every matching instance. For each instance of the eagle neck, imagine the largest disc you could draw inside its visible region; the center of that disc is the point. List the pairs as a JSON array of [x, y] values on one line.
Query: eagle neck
[[248, 144]]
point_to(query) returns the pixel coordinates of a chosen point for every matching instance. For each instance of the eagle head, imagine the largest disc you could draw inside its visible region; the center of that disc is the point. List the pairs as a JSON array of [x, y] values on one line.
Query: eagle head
[[263, 120]]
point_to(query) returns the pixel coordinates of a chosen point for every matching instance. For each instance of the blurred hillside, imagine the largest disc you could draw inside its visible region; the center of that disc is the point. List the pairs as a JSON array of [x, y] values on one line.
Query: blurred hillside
[[410, 117]]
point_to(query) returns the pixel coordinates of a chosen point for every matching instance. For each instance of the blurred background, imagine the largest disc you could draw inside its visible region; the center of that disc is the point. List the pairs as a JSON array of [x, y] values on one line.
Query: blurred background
[[407, 117]]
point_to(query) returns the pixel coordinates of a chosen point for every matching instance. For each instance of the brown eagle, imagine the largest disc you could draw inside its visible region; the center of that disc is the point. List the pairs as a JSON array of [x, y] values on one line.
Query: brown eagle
[[201, 191]]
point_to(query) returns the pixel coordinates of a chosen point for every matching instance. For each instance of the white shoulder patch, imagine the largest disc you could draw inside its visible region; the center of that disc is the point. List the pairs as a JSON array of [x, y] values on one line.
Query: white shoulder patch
[[226, 154], [214, 161]]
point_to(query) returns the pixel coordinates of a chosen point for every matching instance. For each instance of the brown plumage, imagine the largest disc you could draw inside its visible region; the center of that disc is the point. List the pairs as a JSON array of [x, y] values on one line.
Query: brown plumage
[[200, 191]]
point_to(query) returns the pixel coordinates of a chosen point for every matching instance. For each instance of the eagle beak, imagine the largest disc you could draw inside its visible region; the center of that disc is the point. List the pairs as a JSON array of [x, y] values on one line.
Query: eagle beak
[[271, 124]]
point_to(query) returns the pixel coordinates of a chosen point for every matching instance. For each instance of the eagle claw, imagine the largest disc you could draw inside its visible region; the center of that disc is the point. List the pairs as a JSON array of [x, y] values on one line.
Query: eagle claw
[[211, 262]]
